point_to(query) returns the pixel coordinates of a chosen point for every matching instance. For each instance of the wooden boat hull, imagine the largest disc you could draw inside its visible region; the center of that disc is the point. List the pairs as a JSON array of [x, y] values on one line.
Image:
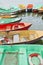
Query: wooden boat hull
[[29, 7], [14, 26], [21, 37], [29, 10], [40, 11], [22, 8], [7, 16], [20, 11], [35, 10]]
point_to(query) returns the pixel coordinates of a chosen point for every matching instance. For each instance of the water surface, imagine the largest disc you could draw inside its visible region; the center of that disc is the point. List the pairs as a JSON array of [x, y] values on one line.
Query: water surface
[[35, 19]]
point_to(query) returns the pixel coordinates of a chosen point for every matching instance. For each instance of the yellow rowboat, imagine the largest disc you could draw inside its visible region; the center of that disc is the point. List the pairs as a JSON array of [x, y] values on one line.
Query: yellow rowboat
[[25, 36], [22, 8], [7, 16]]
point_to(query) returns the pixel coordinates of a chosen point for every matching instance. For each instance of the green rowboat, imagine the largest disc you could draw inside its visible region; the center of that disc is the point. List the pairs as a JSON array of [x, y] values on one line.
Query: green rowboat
[[9, 20], [12, 9]]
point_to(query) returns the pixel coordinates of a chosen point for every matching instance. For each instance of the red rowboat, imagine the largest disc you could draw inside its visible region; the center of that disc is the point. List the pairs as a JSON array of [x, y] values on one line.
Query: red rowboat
[[35, 10], [15, 26]]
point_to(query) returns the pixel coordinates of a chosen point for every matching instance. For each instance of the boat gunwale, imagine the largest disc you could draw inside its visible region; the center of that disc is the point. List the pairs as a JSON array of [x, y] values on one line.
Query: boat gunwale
[[22, 42], [25, 26], [25, 42]]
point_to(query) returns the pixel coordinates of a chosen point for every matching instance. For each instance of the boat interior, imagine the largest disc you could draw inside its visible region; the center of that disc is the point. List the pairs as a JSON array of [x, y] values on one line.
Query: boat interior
[[22, 36]]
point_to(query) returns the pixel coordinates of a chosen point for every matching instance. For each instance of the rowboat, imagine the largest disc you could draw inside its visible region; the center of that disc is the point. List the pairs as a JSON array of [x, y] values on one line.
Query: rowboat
[[22, 54], [29, 7], [13, 10], [35, 10], [7, 16], [14, 26], [40, 10], [22, 8], [25, 36], [9, 20], [9, 10], [2, 10]]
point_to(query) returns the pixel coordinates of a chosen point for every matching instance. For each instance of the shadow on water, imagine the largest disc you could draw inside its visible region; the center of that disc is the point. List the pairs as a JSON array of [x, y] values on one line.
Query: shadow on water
[[42, 17], [40, 42]]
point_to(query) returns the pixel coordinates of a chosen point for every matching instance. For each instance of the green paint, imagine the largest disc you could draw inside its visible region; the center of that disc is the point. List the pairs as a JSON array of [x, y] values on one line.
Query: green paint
[[12, 9], [9, 20], [35, 61], [22, 56]]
